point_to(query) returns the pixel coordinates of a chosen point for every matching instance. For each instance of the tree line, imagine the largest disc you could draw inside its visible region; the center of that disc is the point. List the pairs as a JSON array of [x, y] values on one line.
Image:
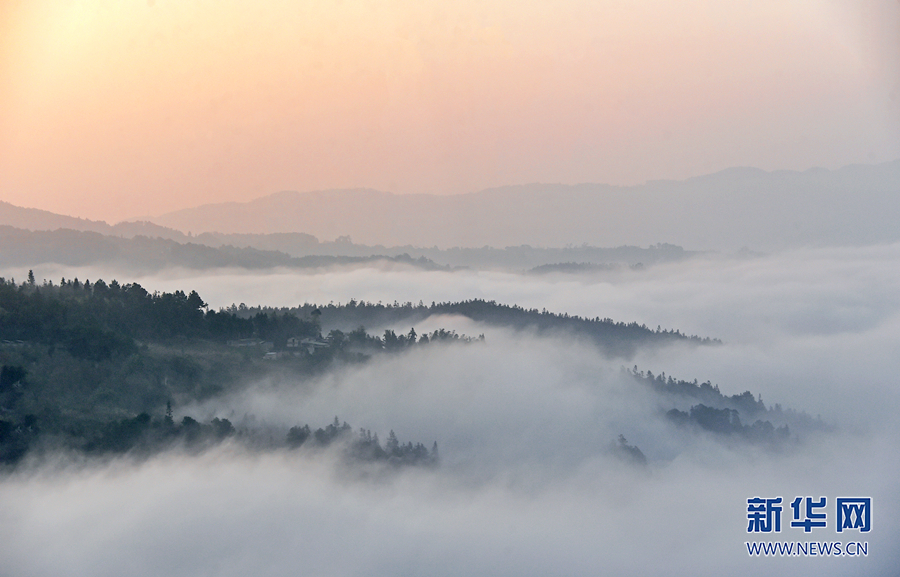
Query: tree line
[[721, 414]]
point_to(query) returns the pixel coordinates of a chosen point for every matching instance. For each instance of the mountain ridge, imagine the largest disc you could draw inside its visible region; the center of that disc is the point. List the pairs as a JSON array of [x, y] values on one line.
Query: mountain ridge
[[726, 210]]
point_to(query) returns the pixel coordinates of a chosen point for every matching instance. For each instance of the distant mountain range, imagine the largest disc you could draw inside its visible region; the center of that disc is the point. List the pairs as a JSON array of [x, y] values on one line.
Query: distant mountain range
[[36, 219], [19, 247], [26, 248], [738, 207], [723, 211]]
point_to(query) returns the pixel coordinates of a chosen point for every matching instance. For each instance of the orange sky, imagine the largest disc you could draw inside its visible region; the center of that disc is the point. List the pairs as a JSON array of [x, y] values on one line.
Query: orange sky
[[118, 109]]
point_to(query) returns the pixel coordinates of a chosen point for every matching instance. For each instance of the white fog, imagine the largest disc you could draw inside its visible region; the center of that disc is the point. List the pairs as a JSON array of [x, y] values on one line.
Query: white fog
[[527, 483]]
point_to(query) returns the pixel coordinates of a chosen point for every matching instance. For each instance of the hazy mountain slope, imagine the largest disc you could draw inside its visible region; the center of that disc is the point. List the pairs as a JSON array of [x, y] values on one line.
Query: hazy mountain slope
[[36, 219], [20, 247], [726, 210]]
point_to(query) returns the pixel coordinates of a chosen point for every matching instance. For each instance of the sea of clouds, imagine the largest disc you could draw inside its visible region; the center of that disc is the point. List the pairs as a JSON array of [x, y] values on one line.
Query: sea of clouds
[[527, 483]]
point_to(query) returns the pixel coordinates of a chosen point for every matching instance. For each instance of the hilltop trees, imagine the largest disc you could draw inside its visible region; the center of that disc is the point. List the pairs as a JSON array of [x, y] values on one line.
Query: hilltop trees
[[364, 445], [97, 321]]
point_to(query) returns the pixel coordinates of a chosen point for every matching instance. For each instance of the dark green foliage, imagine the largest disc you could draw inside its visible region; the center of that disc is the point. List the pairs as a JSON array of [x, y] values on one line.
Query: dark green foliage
[[330, 433], [279, 328], [102, 358], [221, 428], [297, 436], [678, 417], [391, 342], [121, 436], [716, 420], [705, 392], [97, 321], [98, 354], [616, 338], [12, 386], [628, 452], [95, 344], [16, 438], [364, 445], [360, 339], [721, 414], [143, 435], [728, 422], [10, 376]]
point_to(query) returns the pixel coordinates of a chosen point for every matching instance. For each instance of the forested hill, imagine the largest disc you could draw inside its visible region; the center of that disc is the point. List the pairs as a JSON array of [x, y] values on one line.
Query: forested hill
[[97, 367], [614, 337], [106, 318], [91, 367]]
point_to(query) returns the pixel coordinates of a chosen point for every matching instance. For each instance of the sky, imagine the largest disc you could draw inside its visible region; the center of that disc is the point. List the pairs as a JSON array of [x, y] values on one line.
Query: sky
[[115, 110]]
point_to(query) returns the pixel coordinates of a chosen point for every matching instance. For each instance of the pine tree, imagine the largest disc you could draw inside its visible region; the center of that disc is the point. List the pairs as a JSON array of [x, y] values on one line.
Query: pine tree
[[392, 446]]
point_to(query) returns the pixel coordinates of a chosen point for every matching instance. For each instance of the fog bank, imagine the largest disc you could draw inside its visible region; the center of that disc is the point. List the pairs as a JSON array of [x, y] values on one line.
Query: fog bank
[[527, 483]]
